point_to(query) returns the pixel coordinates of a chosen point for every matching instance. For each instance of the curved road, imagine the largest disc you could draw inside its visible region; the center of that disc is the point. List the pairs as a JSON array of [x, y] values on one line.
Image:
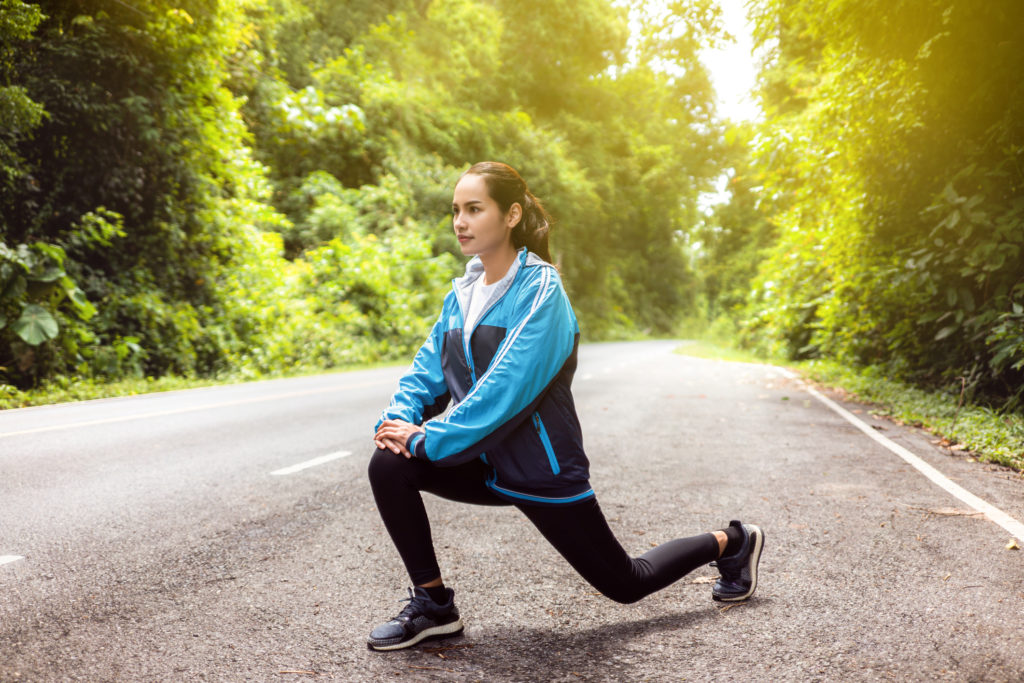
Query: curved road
[[228, 534]]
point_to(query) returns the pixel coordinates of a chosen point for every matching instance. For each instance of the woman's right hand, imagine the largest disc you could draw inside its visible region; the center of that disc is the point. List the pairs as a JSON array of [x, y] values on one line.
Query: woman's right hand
[[394, 434], [386, 445]]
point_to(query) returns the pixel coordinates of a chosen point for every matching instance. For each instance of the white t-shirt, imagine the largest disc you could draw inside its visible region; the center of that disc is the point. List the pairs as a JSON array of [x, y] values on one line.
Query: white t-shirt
[[481, 294], [480, 297]]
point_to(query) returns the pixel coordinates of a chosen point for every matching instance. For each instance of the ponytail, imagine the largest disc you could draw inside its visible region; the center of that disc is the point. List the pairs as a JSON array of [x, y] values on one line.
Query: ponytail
[[507, 187]]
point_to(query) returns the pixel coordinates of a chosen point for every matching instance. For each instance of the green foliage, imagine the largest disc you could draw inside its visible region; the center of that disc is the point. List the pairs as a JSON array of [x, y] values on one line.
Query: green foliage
[[19, 114], [889, 167], [733, 239], [239, 189]]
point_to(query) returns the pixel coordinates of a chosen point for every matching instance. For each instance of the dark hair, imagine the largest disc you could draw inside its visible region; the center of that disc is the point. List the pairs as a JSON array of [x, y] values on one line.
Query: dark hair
[[507, 187]]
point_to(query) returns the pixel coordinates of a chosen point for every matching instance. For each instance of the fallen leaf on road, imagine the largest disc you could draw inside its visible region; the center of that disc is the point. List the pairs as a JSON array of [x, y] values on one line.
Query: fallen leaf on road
[[948, 512], [1012, 545], [729, 607], [446, 648]]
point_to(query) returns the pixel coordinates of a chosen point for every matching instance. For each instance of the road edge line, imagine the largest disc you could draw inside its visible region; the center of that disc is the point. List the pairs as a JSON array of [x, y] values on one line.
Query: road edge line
[[994, 514]]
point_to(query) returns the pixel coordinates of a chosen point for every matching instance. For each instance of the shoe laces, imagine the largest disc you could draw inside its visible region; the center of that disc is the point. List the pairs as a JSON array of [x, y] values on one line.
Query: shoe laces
[[414, 608]]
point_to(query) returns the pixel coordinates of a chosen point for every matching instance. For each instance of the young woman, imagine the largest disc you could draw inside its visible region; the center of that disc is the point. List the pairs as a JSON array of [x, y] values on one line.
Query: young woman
[[504, 352]]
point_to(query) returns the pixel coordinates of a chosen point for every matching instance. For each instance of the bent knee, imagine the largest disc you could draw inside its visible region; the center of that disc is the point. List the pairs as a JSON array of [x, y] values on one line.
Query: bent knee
[[380, 464], [624, 597], [386, 466]]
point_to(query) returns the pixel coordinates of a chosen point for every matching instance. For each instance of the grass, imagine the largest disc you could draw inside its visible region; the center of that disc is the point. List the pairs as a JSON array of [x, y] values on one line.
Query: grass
[[984, 433]]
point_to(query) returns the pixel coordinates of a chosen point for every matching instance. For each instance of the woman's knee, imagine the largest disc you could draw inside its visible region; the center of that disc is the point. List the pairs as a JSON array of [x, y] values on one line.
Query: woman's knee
[[624, 595], [387, 467], [381, 466]]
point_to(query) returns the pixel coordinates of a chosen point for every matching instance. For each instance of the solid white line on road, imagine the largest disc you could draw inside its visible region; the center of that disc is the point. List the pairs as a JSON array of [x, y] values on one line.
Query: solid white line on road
[[4, 559], [996, 515], [192, 409], [312, 463]]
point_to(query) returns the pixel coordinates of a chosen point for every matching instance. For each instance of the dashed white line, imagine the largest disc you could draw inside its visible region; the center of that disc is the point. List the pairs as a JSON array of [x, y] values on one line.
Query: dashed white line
[[4, 559], [311, 463], [1014, 527]]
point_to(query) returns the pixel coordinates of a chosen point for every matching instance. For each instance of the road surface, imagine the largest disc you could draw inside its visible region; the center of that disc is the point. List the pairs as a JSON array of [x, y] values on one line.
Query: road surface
[[228, 534]]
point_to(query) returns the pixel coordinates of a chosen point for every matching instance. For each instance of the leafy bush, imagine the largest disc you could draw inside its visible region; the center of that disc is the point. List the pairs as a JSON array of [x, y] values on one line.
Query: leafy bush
[[889, 167]]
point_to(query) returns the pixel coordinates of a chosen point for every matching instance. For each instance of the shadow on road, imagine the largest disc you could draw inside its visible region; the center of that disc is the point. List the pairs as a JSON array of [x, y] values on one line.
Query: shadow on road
[[512, 652]]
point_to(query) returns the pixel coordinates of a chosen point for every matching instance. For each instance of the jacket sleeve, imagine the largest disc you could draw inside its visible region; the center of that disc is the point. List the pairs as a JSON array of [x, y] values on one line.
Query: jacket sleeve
[[422, 392], [541, 338]]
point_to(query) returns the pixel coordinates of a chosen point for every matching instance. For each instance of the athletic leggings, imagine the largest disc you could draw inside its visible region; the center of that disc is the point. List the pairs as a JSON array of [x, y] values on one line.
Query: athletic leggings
[[578, 531]]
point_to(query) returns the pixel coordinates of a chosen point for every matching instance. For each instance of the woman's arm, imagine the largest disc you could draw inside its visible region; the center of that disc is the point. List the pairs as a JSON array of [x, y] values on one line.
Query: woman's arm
[[422, 391], [539, 341]]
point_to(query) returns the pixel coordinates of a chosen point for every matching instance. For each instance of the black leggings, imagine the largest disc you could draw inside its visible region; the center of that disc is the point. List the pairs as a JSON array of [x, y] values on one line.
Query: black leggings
[[578, 531]]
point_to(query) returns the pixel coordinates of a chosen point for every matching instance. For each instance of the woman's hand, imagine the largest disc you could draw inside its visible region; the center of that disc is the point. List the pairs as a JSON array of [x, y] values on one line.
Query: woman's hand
[[393, 434]]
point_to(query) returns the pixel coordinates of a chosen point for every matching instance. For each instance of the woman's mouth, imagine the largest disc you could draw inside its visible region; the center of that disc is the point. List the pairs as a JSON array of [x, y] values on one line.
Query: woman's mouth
[[464, 238]]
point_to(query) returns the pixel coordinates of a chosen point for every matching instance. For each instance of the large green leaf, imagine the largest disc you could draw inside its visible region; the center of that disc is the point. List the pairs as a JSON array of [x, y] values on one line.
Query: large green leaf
[[36, 325]]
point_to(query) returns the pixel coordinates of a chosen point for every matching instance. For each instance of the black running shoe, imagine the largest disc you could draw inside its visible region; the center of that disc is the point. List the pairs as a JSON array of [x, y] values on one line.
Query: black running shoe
[[421, 619], [739, 570]]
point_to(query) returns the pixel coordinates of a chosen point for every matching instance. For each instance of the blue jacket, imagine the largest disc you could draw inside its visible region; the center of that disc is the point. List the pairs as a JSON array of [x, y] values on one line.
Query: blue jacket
[[510, 388]]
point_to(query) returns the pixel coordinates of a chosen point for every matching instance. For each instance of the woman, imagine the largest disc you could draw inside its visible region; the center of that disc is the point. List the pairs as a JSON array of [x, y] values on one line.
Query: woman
[[504, 351]]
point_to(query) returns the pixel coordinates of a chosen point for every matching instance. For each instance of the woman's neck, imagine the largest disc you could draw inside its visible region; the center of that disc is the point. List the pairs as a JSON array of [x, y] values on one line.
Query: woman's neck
[[497, 263]]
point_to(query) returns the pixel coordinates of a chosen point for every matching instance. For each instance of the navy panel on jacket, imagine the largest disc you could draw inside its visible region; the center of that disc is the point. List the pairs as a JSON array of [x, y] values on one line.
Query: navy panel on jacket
[[485, 342], [454, 366]]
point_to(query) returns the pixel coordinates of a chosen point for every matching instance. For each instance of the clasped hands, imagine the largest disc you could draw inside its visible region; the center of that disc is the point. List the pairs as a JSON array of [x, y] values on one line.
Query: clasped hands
[[393, 435]]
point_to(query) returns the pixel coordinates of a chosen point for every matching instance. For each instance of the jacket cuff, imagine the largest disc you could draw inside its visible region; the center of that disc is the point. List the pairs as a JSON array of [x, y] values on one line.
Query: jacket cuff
[[415, 445]]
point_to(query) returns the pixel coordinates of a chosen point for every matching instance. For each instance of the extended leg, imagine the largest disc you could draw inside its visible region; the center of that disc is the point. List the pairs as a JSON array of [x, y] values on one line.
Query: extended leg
[[581, 534]]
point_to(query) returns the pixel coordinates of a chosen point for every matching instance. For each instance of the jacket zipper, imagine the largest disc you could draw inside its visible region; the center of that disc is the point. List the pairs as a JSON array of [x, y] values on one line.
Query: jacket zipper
[[543, 433], [467, 342]]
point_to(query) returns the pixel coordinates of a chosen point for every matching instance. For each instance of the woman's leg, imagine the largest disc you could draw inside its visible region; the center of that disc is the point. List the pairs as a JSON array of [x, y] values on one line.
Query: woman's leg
[[580, 533], [397, 482]]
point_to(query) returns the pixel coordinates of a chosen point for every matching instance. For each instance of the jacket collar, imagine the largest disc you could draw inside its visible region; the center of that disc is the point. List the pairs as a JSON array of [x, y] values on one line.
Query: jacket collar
[[475, 270]]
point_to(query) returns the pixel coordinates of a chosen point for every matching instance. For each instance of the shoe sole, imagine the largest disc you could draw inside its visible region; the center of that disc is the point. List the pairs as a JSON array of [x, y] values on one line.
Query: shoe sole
[[426, 634], [755, 559]]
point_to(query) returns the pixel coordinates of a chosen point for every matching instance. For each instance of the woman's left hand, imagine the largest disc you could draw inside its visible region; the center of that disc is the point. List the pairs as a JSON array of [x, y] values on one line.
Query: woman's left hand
[[394, 434]]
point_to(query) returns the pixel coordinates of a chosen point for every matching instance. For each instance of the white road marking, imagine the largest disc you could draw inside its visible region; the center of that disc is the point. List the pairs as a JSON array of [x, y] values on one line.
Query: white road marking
[[312, 463], [1014, 527], [192, 409], [4, 559]]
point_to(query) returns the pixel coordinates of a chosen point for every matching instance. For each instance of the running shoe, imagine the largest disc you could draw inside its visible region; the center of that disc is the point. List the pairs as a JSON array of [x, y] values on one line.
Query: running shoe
[[420, 620], [739, 571]]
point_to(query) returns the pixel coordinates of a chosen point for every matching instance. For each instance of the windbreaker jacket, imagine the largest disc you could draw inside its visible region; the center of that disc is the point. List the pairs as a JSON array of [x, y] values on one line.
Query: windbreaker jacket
[[510, 387]]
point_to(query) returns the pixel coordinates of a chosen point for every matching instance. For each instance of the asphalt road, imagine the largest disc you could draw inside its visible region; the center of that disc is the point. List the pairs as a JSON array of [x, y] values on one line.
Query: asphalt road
[[171, 537]]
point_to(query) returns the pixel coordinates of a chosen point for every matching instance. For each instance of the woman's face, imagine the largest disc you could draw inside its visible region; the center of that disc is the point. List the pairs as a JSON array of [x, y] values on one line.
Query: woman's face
[[480, 225]]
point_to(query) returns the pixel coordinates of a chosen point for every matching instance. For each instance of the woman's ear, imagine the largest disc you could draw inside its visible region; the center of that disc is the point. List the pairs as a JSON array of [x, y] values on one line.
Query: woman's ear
[[515, 212]]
